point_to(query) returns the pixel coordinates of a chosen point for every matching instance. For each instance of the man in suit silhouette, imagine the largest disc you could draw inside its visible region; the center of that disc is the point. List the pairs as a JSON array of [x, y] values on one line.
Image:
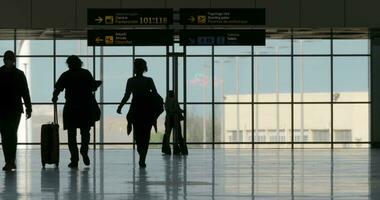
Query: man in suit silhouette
[[13, 88]]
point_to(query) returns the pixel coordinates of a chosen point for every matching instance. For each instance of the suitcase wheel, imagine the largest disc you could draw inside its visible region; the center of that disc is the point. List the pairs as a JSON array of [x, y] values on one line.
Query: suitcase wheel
[[56, 164], [43, 165]]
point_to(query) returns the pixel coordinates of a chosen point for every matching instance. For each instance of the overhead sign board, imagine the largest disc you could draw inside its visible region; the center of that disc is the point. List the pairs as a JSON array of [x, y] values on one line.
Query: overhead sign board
[[147, 37], [205, 37], [129, 16], [222, 16]]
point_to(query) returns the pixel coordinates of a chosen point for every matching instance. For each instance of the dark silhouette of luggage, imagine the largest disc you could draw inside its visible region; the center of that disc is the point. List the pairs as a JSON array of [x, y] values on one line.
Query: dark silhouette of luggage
[[50, 141]]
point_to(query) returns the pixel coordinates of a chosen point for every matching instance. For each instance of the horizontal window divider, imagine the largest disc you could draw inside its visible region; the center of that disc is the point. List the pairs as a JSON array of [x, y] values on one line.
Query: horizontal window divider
[[329, 55], [202, 55], [150, 55], [200, 143], [221, 103], [112, 103]]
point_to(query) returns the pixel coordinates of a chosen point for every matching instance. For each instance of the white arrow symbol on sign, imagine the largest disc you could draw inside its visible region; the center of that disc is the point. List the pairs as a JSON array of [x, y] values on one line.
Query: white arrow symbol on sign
[[99, 20]]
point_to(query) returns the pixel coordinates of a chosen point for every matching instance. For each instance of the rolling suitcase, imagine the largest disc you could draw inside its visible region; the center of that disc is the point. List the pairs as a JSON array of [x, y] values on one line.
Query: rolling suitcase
[[50, 141]]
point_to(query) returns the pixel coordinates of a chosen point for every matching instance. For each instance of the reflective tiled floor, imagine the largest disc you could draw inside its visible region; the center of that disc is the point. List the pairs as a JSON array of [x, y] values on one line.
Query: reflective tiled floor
[[204, 174]]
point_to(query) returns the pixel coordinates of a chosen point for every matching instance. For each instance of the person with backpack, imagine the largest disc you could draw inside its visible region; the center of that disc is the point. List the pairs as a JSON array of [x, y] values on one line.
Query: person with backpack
[[145, 107], [173, 120]]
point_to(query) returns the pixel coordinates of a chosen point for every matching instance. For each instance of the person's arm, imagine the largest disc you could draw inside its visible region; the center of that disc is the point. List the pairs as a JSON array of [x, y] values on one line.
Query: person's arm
[[26, 96], [58, 88], [127, 94], [94, 83], [179, 109]]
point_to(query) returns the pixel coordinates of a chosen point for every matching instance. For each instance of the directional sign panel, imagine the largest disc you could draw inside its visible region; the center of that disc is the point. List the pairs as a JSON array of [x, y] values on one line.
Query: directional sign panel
[[129, 16], [147, 37], [206, 37], [222, 16]]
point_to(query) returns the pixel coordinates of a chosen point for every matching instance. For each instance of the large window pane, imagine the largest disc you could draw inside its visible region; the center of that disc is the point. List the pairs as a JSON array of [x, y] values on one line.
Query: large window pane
[[311, 46], [117, 70], [312, 79], [274, 47], [198, 50], [39, 73], [199, 123], [351, 78], [272, 123], [351, 124], [150, 50], [6, 45], [272, 79], [232, 81], [117, 50], [73, 47], [199, 80], [232, 50], [35, 47], [312, 123], [115, 125], [351, 46], [233, 123]]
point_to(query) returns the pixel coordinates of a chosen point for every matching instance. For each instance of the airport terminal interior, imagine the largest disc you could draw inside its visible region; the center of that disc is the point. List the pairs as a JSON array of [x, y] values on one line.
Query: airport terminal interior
[[279, 98]]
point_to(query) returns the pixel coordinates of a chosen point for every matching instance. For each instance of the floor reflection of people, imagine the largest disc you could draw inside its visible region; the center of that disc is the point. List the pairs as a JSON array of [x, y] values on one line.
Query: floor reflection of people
[[79, 185], [73, 188], [142, 186], [173, 176], [10, 186], [85, 185], [50, 182]]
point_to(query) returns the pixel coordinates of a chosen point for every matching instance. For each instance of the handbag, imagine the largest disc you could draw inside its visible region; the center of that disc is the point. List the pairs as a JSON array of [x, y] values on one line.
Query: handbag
[[95, 109]]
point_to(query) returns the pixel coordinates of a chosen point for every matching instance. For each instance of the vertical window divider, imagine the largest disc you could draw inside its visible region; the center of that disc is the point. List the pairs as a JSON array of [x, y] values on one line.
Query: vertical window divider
[[15, 42], [292, 87], [252, 97], [133, 61], [213, 95], [370, 81], [93, 72], [185, 93], [331, 89]]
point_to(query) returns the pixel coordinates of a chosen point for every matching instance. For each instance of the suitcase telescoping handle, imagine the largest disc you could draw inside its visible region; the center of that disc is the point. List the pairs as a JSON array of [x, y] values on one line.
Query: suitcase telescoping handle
[[55, 114]]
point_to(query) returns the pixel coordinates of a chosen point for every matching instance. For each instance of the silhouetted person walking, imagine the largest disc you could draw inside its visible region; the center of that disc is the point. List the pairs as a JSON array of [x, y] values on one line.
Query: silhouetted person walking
[[80, 110], [13, 88], [173, 122], [140, 112]]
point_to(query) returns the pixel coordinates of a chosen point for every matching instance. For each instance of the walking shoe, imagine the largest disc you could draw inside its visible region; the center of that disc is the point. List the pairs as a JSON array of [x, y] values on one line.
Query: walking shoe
[[142, 164], [73, 165], [7, 167], [86, 159]]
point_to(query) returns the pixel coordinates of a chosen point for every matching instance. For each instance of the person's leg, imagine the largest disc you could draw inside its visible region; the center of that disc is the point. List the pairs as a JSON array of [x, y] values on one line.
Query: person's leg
[[72, 142], [139, 142], [166, 139], [85, 139], [142, 136], [8, 128], [147, 139], [181, 141], [176, 149], [4, 141], [13, 127]]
